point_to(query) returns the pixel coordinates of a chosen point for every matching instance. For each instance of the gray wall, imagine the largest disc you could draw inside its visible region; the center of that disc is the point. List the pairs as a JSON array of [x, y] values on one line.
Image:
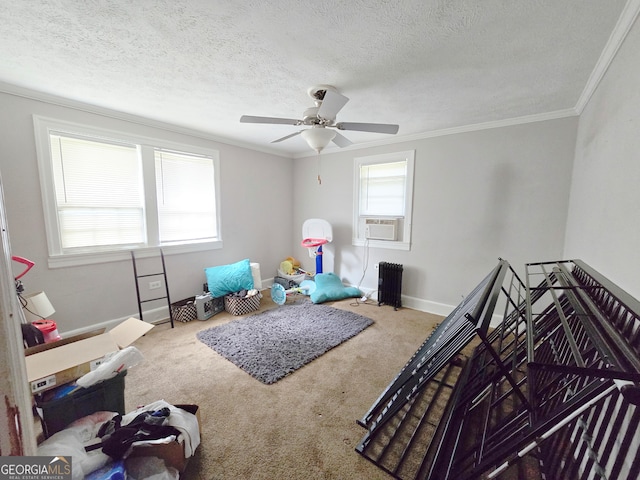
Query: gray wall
[[91, 295], [603, 227], [478, 196]]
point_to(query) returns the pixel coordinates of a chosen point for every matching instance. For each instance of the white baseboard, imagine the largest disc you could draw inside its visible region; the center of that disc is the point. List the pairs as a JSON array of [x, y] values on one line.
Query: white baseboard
[[155, 316], [428, 306], [415, 303], [160, 315]]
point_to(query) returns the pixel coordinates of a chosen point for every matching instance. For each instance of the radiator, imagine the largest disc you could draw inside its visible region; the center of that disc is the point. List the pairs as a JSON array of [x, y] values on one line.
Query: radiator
[[390, 284]]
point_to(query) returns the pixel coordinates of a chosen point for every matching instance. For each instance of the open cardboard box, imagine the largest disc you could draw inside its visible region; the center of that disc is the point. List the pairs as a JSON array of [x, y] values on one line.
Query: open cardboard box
[[173, 452], [54, 364]]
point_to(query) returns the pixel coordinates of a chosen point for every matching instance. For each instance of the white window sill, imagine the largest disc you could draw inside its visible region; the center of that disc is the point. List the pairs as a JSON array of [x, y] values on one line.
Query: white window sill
[[78, 259]]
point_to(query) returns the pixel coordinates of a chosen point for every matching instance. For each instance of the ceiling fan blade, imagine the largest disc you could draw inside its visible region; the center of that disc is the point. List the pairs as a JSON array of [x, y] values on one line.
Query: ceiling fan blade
[[332, 103], [368, 127], [341, 140], [283, 121], [286, 137]]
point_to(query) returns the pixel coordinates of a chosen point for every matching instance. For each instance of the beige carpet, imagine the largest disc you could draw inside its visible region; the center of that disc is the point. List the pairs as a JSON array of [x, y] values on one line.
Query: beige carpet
[[302, 427]]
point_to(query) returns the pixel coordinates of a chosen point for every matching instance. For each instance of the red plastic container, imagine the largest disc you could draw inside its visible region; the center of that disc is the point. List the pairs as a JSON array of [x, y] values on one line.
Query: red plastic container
[[49, 330]]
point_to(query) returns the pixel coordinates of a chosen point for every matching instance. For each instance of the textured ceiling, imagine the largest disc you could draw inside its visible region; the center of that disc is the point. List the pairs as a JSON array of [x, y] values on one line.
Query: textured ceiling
[[426, 65]]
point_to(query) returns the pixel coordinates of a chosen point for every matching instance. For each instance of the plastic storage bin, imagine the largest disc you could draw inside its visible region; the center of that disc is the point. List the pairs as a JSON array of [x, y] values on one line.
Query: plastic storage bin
[[294, 280], [57, 413], [208, 306]]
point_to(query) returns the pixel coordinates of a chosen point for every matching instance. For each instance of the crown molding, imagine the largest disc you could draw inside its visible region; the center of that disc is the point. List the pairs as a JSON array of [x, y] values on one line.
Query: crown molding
[[540, 117], [105, 112], [128, 117], [620, 32]]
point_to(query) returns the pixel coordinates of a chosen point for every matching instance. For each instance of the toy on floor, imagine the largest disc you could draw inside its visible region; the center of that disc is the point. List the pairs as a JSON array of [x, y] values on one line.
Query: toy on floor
[[290, 266], [279, 294], [315, 233], [317, 244]]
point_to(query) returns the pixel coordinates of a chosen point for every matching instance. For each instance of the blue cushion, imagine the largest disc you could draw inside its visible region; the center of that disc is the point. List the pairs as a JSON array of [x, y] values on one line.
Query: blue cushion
[[329, 287], [229, 278]]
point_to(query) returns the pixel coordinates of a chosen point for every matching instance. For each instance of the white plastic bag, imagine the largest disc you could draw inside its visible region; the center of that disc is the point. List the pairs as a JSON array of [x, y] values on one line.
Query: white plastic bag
[[70, 442], [114, 363]]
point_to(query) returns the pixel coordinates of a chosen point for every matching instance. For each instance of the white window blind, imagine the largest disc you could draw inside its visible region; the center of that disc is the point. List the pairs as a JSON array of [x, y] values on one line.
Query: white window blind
[[105, 192], [382, 188], [98, 192], [186, 197]]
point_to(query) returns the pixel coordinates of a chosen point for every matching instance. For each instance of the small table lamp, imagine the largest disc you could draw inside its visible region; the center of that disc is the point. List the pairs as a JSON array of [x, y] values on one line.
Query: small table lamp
[[38, 307], [36, 310]]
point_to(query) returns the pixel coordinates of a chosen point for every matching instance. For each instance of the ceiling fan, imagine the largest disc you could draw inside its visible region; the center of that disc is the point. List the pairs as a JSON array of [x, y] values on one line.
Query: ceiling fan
[[322, 120]]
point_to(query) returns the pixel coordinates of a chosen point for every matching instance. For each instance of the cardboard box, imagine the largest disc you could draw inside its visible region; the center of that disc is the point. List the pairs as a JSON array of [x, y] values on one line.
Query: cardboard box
[[54, 364], [173, 452]]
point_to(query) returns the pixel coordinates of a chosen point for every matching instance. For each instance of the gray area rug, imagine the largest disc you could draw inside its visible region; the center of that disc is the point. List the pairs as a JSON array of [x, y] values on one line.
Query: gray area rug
[[274, 343]]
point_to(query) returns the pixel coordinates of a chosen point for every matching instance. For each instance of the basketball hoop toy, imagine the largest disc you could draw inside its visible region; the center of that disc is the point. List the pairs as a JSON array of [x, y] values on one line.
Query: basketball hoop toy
[[314, 245], [314, 242], [316, 232]]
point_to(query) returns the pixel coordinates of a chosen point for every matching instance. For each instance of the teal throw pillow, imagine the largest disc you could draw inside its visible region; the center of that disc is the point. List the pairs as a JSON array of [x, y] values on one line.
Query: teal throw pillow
[[230, 278]]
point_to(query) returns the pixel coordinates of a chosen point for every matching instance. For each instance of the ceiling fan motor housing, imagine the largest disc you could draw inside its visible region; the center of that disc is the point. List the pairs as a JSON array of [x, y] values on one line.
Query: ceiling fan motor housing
[[311, 116]]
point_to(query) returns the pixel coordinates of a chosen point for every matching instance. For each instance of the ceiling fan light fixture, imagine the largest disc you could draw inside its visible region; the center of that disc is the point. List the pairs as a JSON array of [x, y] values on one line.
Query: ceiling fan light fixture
[[318, 137]]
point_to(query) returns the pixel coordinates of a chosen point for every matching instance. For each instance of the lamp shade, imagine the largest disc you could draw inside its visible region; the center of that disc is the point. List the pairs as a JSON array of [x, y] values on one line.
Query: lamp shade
[[318, 137], [38, 307]]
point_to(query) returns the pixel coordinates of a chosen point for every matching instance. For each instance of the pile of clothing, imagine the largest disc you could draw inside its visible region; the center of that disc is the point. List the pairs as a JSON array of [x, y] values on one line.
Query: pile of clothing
[[106, 440]]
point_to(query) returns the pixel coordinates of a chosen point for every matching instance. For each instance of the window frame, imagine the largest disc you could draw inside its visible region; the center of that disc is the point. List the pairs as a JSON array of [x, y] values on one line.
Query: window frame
[[57, 258], [405, 224]]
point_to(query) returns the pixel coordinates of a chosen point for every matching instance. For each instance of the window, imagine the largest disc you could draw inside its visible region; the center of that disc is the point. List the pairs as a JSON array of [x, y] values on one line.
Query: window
[[383, 188], [106, 193], [383, 196], [96, 206], [186, 197]]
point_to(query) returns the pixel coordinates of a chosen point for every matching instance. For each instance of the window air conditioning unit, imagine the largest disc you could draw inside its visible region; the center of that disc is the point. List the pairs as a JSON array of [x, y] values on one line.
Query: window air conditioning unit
[[381, 228]]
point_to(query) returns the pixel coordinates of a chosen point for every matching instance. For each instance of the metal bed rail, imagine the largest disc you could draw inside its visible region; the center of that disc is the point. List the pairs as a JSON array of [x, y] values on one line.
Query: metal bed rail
[[552, 392]]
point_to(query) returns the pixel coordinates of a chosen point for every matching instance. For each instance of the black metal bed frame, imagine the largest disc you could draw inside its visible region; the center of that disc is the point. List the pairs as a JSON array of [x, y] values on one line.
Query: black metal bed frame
[[549, 393]]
